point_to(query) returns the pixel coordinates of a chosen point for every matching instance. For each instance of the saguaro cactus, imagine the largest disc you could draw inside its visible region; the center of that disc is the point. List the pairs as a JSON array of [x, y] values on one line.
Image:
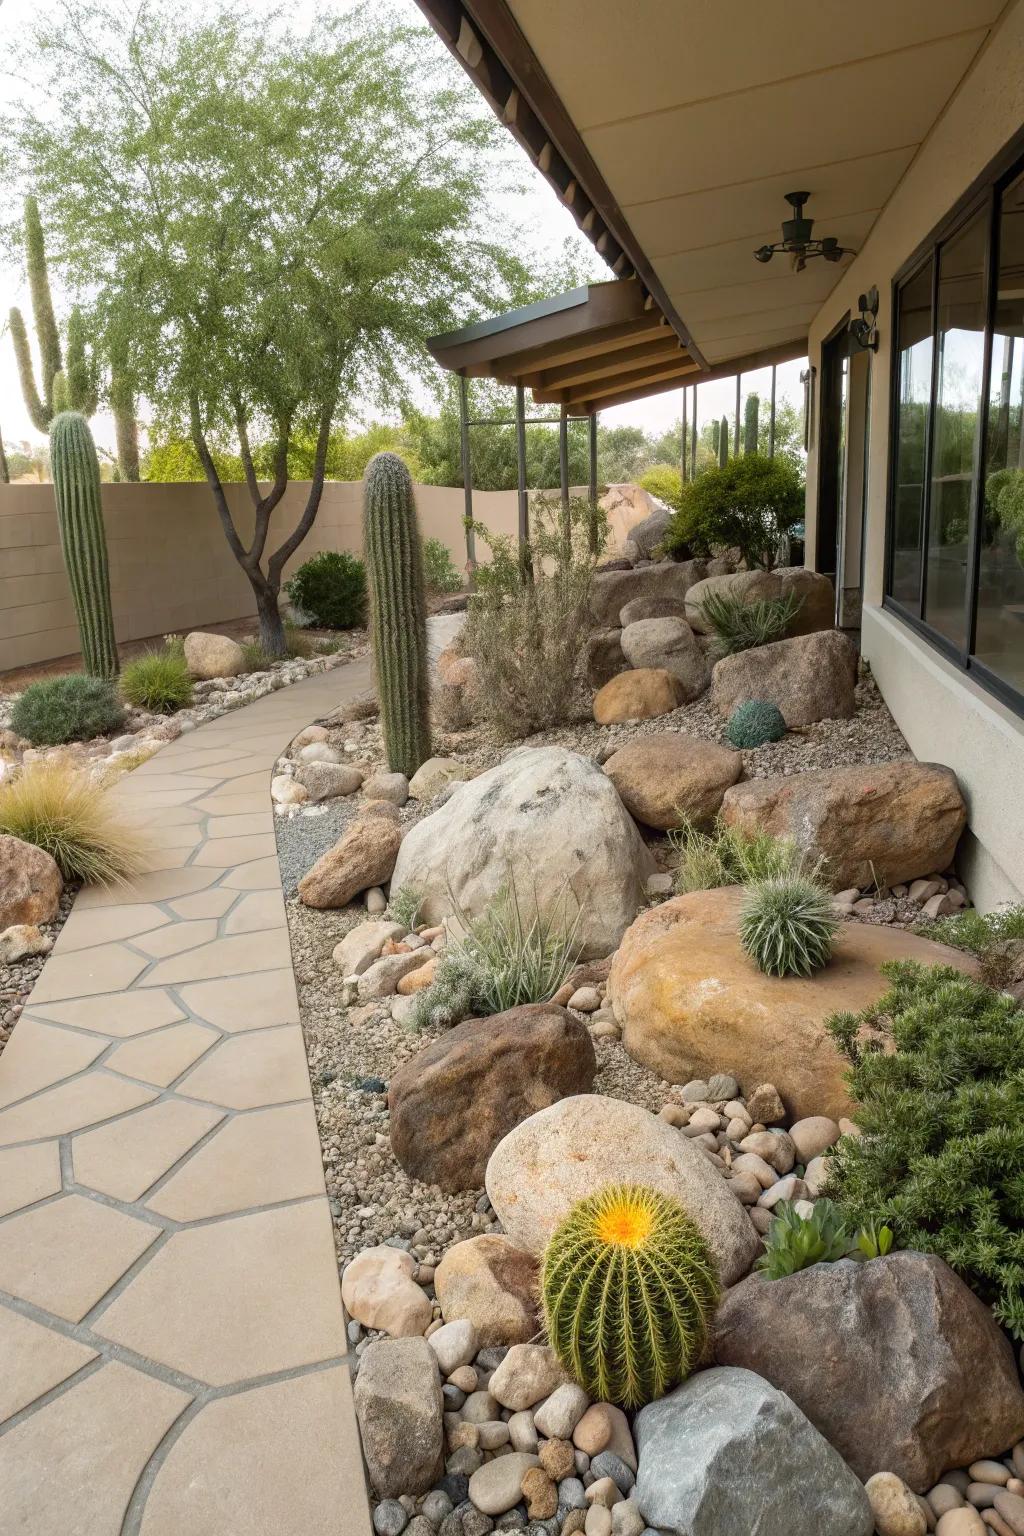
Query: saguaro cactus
[[76, 485], [398, 611], [751, 410], [723, 443]]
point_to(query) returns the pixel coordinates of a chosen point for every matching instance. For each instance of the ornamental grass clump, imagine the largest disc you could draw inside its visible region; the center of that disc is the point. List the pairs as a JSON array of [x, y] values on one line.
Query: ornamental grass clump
[[754, 723], [729, 856], [787, 925], [741, 626], [158, 681], [55, 806], [937, 1072], [74, 707], [629, 1290]]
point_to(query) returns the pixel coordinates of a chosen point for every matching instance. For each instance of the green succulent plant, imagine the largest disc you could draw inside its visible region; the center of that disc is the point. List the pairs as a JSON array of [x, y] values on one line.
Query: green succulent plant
[[794, 1242], [755, 722], [787, 925]]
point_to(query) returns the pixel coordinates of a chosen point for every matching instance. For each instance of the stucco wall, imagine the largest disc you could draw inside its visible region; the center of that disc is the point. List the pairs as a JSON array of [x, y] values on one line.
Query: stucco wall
[[945, 717]]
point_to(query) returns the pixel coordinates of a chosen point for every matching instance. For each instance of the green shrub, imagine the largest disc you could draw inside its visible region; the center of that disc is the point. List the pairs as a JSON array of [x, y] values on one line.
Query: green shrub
[[754, 723], [795, 1242], [748, 503], [741, 626], [995, 938], [159, 681], [936, 1071], [404, 905], [69, 708], [331, 588], [664, 481], [55, 806], [729, 856], [629, 1290], [787, 925], [439, 569]]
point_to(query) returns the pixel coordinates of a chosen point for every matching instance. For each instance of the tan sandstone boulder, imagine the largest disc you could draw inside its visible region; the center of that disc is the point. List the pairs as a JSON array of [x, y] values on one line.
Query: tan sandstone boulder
[[611, 590], [690, 1002], [209, 656], [30, 883], [640, 694], [665, 778], [810, 678], [817, 610], [494, 1285], [884, 822], [364, 855]]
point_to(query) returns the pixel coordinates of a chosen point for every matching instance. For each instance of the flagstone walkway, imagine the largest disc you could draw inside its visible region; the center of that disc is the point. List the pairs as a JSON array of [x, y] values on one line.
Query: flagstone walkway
[[171, 1335]]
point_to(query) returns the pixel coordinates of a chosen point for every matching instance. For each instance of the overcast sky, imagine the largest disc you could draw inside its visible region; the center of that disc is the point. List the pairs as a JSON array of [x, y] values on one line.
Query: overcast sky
[[540, 221]]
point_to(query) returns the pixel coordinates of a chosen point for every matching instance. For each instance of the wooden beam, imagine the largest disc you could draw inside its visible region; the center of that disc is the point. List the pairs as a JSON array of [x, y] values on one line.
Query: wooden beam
[[679, 368], [554, 353], [579, 313], [610, 361], [727, 370]]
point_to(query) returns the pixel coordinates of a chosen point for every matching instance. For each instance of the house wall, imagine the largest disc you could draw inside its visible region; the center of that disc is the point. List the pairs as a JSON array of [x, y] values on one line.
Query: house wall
[[945, 717]]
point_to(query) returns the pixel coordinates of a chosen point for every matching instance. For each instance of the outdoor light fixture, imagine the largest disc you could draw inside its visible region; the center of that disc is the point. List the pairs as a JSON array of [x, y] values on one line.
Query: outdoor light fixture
[[863, 330], [796, 241]]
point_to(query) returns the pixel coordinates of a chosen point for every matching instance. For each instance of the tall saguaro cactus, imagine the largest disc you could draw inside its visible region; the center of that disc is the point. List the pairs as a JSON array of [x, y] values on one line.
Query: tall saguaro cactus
[[398, 611], [751, 411], [723, 443], [39, 401], [83, 542]]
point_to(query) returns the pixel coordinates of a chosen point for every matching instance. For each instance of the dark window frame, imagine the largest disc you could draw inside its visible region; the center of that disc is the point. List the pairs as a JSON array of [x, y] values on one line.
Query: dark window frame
[[982, 196]]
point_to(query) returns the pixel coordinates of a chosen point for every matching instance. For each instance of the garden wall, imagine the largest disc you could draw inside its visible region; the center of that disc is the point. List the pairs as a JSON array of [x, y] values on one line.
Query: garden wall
[[170, 566]]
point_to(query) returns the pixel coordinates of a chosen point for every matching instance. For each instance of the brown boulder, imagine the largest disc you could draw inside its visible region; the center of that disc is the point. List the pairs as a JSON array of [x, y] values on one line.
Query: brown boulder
[[453, 1102], [665, 778], [896, 1361], [817, 609], [671, 644], [690, 1002], [641, 694], [364, 855], [611, 590], [810, 678], [30, 883], [889, 822], [493, 1284]]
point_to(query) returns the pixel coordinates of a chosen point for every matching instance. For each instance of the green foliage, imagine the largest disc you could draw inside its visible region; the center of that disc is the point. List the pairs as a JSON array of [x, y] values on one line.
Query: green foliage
[[787, 925], [330, 587], [439, 568], [748, 503], [666, 482], [404, 905], [629, 1290], [83, 540], [742, 626], [754, 723], [56, 806], [937, 1075], [398, 609], [729, 856], [158, 681], [526, 635], [795, 1242], [995, 938], [875, 1240], [69, 708]]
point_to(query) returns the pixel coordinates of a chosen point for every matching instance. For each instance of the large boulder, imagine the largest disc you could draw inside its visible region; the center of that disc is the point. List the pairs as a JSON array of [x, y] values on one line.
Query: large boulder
[[884, 822], [548, 822], [580, 1145], [453, 1102], [492, 1284], [665, 778], [400, 1412], [603, 657], [436, 774], [670, 644], [896, 1362], [812, 677], [611, 590], [363, 856], [690, 1002], [635, 517], [641, 694], [817, 608], [209, 656], [30, 883], [726, 1454], [651, 608]]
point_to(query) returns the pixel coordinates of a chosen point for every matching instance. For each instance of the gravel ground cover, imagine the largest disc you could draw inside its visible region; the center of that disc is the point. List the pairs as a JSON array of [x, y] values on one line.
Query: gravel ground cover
[[18, 979]]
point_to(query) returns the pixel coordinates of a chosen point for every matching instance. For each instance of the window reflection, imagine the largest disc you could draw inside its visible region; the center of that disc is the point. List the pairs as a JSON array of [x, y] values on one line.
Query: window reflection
[[915, 384]]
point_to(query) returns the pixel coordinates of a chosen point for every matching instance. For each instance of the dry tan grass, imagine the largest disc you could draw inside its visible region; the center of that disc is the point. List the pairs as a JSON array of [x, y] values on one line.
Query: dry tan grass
[[54, 805]]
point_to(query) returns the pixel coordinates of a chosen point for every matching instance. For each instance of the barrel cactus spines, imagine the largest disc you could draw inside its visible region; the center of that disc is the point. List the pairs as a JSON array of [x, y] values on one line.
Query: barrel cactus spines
[[83, 542], [755, 722], [398, 611], [629, 1290]]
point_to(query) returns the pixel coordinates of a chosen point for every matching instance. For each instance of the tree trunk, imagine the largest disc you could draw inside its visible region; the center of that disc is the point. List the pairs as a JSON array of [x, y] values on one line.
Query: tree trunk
[[271, 628], [5, 473]]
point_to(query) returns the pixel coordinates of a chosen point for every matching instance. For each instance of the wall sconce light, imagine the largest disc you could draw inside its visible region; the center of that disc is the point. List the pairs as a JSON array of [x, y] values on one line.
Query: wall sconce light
[[863, 330]]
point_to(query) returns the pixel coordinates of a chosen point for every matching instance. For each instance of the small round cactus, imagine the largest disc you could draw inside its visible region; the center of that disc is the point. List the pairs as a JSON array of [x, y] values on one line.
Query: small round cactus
[[787, 925], [629, 1289], [754, 723]]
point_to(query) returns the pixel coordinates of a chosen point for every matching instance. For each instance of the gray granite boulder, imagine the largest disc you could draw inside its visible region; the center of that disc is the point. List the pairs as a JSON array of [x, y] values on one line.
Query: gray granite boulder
[[399, 1409], [808, 678], [610, 590], [671, 644]]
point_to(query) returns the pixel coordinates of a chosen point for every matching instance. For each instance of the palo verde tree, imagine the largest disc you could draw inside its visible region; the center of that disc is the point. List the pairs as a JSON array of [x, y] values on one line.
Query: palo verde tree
[[277, 219]]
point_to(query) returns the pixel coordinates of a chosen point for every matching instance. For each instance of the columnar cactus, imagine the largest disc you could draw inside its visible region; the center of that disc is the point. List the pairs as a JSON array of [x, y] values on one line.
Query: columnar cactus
[[76, 485], [398, 611], [629, 1290], [723, 443], [751, 411]]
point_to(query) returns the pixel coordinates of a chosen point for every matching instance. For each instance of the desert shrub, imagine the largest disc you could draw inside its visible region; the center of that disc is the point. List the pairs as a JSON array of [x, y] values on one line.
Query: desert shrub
[[749, 503], [69, 708], [665, 482], [158, 681], [254, 657], [787, 925], [331, 588], [629, 1290], [404, 905], [527, 623], [995, 938], [56, 807], [936, 1073], [729, 856], [740, 626], [439, 569], [754, 723], [511, 954]]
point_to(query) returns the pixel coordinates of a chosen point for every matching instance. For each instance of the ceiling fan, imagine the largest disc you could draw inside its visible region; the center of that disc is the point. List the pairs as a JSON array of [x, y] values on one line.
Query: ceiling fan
[[797, 242]]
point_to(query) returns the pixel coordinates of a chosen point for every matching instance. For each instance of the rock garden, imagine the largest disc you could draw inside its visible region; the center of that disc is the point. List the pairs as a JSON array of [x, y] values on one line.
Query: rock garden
[[668, 1082]]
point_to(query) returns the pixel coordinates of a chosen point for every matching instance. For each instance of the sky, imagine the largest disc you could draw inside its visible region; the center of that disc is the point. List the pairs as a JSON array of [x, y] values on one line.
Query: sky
[[540, 221]]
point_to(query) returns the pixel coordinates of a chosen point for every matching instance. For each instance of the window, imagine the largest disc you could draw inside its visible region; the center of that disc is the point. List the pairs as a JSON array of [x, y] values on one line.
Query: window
[[956, 523]]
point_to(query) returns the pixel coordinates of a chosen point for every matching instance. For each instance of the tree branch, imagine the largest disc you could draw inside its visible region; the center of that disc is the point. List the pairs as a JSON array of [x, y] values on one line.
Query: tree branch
[[214, 482], [242, 428], [281, 556], [266, 504]]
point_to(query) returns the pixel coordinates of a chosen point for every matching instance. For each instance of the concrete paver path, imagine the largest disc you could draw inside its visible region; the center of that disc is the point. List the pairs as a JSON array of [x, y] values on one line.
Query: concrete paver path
[[171, 1335]]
